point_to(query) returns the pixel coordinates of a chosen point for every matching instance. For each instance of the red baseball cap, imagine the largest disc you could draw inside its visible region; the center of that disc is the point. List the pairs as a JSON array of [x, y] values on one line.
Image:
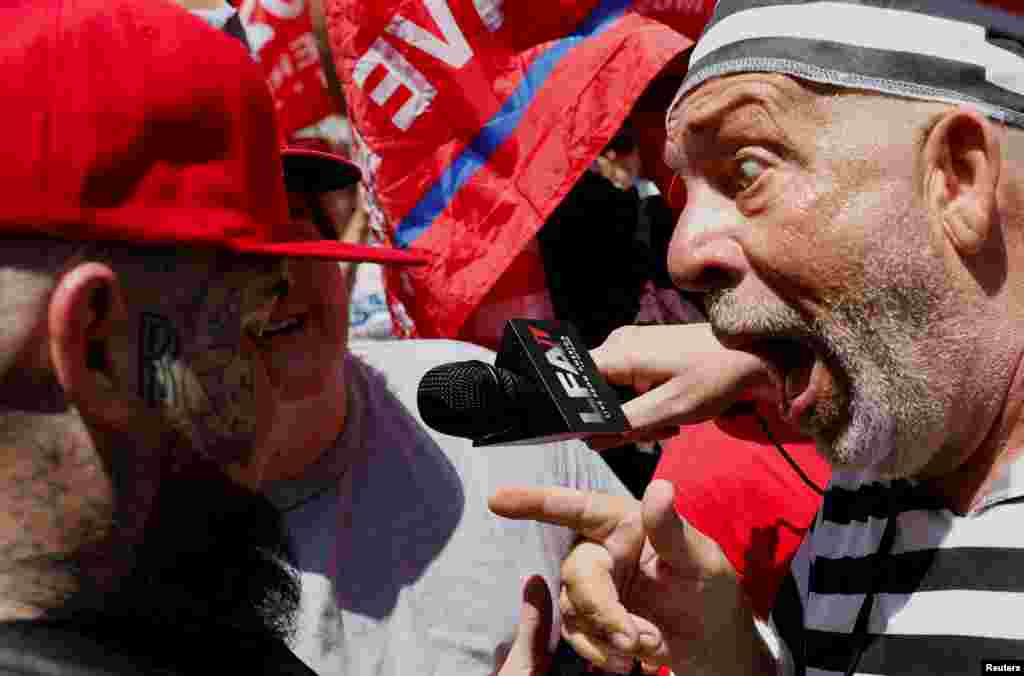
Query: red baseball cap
[[311, 166], [134, 121]]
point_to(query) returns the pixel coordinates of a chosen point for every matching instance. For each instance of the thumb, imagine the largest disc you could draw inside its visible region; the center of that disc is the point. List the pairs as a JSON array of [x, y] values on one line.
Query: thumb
[[676, 542], [529, 654]]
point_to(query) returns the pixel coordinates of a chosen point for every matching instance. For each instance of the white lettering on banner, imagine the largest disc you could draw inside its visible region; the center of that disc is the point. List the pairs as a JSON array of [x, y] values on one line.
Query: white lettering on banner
[[454, 51], [284, 9], [400, 72], [281, 71], [305, 51], [490, 13]]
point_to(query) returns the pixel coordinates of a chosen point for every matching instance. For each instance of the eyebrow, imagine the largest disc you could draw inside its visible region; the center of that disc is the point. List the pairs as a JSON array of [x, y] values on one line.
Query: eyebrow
[[710, 109]]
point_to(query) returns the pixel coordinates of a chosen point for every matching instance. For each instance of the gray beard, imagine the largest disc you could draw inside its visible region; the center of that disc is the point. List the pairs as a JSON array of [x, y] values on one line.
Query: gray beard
[[883, 409]]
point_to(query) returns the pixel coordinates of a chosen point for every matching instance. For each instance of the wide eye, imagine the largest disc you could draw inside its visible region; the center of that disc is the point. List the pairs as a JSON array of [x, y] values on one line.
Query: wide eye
[[748, 170]]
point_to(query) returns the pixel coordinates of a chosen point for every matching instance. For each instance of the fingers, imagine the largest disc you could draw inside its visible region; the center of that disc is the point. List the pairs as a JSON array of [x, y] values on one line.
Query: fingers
[[592, 515], [676, 542], [684, 374], [594, 620], [608, 441], [529, 655], [589, 593], [615, 357], [611, 653], [595, 650]]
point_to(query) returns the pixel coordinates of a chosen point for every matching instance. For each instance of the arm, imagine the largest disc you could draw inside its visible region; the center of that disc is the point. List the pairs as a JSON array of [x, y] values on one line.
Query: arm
[[642, 575], [682, 374]]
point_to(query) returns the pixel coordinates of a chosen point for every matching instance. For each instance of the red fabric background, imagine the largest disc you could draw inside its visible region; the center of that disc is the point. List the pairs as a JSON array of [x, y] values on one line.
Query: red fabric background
[[736, 488]]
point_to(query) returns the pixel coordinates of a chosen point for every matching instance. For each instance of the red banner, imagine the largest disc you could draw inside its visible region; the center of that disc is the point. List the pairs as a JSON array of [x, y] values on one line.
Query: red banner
[[280, 33], [476, 117]]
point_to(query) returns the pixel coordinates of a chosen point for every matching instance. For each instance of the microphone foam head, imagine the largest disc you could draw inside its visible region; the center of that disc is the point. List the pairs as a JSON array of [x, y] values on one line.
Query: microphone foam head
[[465, 399]]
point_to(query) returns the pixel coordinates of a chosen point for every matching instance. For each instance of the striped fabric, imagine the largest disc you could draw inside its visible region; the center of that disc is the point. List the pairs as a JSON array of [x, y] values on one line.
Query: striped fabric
[[951, 51], [948, 594]]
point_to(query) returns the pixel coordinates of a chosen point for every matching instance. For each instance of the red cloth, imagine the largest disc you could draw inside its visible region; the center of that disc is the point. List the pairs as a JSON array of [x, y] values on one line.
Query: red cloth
[[736, 488], [135, 121], [281, 36], [479, 117]]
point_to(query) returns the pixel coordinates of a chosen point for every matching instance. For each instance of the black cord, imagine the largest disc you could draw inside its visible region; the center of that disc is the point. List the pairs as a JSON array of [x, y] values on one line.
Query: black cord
[[792, 463], [860, 635]]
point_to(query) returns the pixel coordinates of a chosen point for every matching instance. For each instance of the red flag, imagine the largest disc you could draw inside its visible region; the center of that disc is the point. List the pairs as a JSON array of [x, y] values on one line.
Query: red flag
[[280, 33], [478, 116]]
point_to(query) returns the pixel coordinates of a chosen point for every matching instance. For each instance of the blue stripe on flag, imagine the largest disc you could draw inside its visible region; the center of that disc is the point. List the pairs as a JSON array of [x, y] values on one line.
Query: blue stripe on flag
[[501, 126]]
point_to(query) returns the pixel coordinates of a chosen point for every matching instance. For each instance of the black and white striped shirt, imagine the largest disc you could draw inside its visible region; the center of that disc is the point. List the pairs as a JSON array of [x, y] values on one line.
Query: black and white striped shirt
[[948, 594]]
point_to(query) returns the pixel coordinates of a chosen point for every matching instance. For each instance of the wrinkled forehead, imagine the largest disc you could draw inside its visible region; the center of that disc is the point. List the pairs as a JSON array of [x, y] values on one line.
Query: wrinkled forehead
[[766, 105], [777, 94], [937, 50]]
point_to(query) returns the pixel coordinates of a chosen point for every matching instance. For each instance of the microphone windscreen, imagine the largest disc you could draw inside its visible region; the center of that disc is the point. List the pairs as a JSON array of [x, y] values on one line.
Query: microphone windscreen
[[468, 399]]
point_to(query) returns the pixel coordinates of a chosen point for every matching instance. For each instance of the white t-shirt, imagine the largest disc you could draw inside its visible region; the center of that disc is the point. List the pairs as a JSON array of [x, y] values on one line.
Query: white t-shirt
[[404, 569]]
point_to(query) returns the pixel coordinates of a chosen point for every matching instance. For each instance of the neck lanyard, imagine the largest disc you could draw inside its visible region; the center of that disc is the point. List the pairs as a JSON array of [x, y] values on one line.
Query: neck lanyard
[[860, 627]]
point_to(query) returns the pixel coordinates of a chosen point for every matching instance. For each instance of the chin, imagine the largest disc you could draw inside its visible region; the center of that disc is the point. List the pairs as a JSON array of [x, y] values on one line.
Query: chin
[[874, 439]]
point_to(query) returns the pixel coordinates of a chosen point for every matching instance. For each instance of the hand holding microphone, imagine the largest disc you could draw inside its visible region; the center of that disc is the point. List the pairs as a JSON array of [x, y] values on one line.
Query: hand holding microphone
[[682, 373], [544, 386], [682, 376]]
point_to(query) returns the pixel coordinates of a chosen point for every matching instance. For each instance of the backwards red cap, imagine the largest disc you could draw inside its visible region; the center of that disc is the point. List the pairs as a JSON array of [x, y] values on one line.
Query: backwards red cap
[[133, 121], [311, 165]]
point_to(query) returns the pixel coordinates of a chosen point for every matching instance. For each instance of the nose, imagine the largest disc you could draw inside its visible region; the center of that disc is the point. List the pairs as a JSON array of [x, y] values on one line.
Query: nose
[[704, 254]]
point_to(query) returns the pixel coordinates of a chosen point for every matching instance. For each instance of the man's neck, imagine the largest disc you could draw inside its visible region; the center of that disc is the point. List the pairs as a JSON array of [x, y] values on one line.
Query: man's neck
[[965, 487], [70, 523], [305, 429]]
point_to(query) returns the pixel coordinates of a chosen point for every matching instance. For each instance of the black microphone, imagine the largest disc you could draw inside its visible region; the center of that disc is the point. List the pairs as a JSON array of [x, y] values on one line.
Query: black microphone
[[544, 386], [473, 398]]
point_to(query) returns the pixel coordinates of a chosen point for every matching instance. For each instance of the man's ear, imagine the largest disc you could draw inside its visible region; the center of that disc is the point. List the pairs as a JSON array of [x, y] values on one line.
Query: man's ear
[[85, 306], [962, 161]]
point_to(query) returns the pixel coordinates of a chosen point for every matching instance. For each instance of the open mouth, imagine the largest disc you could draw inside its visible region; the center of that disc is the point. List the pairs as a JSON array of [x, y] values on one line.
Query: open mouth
[[794, 363], [283, 327]]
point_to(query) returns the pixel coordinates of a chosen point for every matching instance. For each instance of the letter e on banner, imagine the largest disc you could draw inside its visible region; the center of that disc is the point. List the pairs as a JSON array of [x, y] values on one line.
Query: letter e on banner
[[281, 35]]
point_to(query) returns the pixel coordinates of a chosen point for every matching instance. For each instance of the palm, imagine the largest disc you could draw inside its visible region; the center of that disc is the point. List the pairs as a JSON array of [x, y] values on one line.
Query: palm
[[688, 603]]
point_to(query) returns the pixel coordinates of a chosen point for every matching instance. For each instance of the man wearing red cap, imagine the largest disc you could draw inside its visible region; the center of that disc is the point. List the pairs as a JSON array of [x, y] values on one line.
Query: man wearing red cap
[[403, 568], [144, 222]]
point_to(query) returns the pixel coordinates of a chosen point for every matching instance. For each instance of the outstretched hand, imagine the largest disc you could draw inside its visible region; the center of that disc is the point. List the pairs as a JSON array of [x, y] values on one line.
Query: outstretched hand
[[643, 583]]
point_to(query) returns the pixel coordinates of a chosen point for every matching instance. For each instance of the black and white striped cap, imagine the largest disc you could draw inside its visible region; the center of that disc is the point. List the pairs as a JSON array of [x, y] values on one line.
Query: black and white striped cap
[[936, 50]]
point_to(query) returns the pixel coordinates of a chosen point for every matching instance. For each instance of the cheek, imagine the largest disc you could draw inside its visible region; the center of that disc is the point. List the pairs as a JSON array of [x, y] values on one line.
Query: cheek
[[220, 389], [339, 205], [810, 243], [265, 398], [219, 373], [303, 364], [324, 285]]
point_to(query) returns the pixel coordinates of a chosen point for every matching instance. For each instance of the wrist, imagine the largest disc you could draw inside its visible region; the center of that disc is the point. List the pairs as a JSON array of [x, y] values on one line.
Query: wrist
[[736, 647]]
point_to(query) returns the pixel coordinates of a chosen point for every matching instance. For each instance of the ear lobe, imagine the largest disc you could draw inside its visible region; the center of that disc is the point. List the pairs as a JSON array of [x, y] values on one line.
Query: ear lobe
[[84, 307], [962, 164]]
